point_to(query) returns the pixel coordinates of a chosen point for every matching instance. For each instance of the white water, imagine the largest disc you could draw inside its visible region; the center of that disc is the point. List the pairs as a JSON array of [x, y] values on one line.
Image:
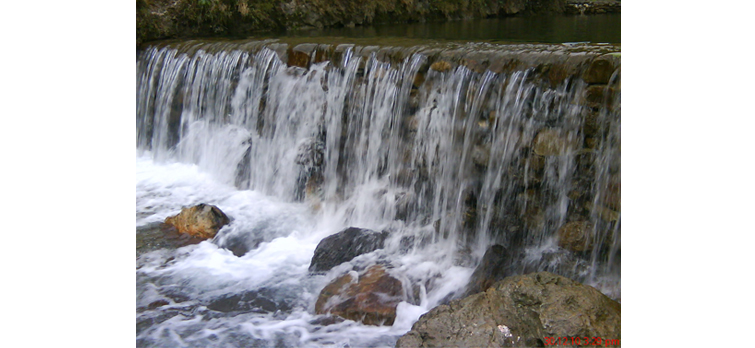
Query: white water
[[226, 126], [199, 273]]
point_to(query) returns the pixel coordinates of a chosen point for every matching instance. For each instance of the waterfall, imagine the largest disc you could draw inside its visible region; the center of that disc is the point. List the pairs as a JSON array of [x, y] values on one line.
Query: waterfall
[[451, 148]]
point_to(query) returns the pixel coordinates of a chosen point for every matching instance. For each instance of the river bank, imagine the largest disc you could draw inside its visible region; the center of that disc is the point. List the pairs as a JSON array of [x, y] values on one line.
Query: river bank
[[175, 19]]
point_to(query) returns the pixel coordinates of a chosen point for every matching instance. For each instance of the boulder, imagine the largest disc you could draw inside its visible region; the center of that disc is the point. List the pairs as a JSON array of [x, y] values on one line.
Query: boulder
[[576, 236], [344, 246], [200, 221], [371, 299], [519, 311]]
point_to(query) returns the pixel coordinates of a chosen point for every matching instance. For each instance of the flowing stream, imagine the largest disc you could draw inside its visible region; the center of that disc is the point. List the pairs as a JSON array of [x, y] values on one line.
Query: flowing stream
[[373, 137]]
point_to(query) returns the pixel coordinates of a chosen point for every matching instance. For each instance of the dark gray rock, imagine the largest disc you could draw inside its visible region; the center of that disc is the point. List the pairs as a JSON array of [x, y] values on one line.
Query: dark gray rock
[[259, 301], [519, 311], [344, 246]]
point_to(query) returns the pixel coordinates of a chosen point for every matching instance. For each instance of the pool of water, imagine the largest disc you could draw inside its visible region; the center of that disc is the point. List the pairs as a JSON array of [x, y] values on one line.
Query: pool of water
[[603, 28]]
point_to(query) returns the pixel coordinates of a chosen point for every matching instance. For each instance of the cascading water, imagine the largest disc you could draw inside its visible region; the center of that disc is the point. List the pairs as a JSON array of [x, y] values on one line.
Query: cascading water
[[450, 149]]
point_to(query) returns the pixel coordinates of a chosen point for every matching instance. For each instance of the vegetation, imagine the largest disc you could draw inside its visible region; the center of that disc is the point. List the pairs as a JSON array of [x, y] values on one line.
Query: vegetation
[[162, 19]]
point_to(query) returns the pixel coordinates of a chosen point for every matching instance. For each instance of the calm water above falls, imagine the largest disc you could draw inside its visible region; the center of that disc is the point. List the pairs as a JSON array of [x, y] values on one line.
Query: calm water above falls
[[440, 159], [602, 28]]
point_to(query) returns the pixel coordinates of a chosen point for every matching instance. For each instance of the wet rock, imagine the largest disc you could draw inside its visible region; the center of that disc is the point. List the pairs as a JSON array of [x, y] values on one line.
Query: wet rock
[[557, 74], [614, 161], [519, 311], [161, 236], [326, 320], [534, 219], [612, 195], [576, 236], [441, 66], [592, 125], [200, 221], [554, 142], [259, 301], [334, 288], [536, 163], [599, 96], [406, 203], [476, 64], [606, 214], [492, 268], [313, 187], [481, 155], [556, 260], [300, 55], [601, 69], [370, 299], [310, 153], [344, 246], [419, 79], [240, 243], [411, 124], [592, 142], [153, 305]]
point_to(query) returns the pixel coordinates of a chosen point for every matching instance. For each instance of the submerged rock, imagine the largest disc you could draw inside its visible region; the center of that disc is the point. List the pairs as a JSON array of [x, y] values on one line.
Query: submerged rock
[[344, 246], [161, 236], [258, 301], [519, 311], [370, 298], [200, 221]]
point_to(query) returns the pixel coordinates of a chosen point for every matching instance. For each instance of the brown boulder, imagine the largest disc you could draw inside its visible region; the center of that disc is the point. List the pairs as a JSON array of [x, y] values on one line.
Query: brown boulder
[[201, 221], [372, 299], [519, 311]]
